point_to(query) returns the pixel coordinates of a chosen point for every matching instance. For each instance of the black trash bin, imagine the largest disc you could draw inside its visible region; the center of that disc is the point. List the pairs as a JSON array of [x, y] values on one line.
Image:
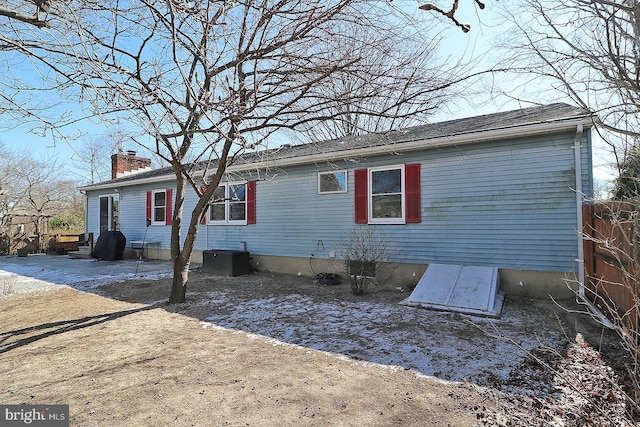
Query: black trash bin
[[225, 262]]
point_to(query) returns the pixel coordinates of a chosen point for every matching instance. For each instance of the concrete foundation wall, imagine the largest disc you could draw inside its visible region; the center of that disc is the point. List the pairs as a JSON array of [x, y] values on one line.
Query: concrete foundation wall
[[538, 284], [526, 283], [156, 253]]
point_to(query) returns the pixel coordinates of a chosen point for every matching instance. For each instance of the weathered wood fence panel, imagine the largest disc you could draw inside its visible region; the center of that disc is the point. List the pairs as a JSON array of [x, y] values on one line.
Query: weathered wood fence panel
[[611, 258]]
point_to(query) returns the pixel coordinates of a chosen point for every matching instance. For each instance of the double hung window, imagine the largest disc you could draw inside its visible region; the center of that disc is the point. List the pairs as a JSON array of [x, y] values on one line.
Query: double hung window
[[386, 203], [229, 204], [388, 194], [159, 207]]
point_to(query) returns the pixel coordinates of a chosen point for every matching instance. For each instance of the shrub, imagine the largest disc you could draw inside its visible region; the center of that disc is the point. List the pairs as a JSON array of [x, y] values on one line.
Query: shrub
[[362, 250]]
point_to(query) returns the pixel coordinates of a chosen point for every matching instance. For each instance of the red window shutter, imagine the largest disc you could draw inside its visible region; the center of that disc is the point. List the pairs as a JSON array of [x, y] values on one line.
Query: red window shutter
[[412, 192], [251, 202], [167, 210], [149, 217], [360, 178], [203, 220]]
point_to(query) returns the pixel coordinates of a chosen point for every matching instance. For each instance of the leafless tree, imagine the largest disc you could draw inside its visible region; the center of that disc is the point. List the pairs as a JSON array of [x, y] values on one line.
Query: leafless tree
[[589, 51], [404, 84], [8, 185], [43, 192], [91, 151], [204, 81], [30, 86], [33, 190]]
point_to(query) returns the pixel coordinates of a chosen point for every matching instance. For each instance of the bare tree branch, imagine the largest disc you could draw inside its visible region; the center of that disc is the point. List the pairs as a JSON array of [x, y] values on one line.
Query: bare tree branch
[[590, 50], [27, 19], [207, 80], [451, 13]]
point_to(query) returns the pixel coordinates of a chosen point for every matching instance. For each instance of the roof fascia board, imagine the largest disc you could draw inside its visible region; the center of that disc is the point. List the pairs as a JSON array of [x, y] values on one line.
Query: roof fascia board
[[419, 144], [111, 185]]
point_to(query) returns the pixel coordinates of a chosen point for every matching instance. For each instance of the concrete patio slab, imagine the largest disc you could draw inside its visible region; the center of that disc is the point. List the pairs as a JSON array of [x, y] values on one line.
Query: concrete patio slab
[[42, 272]]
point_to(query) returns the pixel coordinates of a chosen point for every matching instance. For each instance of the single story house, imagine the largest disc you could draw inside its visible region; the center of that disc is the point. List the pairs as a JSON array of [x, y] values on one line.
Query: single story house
[[502, 190]]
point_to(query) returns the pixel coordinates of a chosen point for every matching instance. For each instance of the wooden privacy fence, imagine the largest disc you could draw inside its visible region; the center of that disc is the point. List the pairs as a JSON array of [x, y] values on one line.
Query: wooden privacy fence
[[611, 232]]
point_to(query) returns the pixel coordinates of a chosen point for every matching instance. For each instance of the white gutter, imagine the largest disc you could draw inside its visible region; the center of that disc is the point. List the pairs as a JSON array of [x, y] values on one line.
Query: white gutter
[[421, 144], [582, 299], [111, 185], [579, 200]]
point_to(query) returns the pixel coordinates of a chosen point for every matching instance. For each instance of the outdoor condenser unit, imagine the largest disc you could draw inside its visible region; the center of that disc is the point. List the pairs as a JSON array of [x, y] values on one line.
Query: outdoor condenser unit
[[225, 262]]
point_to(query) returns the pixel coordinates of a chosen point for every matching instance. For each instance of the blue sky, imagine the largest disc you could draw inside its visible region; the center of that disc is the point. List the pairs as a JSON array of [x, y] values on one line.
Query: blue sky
[[475, 44]]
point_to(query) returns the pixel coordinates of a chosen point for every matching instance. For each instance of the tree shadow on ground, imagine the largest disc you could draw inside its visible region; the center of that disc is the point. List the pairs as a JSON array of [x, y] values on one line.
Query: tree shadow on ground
[[56, 328]]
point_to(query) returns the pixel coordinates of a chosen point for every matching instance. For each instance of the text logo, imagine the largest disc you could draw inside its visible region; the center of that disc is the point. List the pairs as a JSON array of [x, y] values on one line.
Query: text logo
[[34, 415]]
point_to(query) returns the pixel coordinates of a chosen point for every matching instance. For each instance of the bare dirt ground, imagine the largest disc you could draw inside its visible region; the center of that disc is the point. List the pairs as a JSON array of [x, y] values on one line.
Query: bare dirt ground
[[271, 349]]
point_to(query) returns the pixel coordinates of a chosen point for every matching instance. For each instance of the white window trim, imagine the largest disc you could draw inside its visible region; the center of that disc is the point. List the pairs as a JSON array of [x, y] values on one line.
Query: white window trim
[[153, 208], [346, 180], [227, 208], [372, 220]]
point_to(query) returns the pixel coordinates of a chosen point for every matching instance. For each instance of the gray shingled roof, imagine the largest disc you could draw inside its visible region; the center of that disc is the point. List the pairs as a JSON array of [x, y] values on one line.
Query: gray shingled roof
[[510, 119]]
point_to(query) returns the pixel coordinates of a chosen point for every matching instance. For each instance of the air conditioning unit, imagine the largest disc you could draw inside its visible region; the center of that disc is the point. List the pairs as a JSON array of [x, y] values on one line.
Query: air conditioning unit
[[225, 262]]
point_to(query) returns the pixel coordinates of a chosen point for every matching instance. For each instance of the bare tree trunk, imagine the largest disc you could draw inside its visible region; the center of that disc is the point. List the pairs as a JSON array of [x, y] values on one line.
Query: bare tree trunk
[[178, 258], [36, 223], [237, 74], [180, 279], [181, 254], [9, 236]]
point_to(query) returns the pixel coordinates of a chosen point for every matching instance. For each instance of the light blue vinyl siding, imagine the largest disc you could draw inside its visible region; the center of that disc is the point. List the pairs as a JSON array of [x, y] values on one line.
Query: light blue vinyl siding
[[133, 213], [290, 218], [507, 203]]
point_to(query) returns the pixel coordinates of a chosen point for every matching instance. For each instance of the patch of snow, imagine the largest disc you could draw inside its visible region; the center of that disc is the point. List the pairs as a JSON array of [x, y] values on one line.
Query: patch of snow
[[385, 334], [276, 343], [93, 284], [43, 272]]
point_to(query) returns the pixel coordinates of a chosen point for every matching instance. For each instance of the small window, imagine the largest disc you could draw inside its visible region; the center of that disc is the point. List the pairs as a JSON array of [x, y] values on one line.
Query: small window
[[386, 189], [159, 207], [332, 182], [229, 204]]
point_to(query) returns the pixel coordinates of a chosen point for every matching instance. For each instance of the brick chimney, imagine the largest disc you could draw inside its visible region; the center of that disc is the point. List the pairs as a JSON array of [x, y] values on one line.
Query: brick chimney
[[128, 164]]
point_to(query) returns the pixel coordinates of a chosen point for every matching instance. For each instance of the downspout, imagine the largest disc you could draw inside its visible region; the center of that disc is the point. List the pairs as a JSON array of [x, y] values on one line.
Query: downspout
[[582, 299], [579, 199]]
